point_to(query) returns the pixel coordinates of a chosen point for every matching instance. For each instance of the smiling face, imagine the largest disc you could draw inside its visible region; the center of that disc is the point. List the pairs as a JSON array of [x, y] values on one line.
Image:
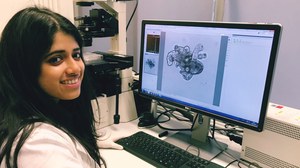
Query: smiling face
[[62, 69]]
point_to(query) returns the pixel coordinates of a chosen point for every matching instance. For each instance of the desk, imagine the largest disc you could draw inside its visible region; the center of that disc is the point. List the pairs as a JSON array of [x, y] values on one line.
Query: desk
[[121, 158]]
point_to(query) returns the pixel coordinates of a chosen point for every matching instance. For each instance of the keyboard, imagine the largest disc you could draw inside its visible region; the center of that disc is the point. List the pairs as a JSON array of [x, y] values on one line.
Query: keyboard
[[162, 154]]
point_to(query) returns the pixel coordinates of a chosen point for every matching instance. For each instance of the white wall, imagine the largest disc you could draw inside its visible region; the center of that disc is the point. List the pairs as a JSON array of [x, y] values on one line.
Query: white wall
[[286, 82], [9, 7]]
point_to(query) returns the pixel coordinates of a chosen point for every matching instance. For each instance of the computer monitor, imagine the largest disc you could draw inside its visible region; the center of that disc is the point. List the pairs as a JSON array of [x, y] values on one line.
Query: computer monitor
[[221, 70]]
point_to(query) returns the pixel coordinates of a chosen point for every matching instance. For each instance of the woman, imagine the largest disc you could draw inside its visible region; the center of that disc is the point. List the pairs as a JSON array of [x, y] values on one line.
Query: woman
[[46, 118]]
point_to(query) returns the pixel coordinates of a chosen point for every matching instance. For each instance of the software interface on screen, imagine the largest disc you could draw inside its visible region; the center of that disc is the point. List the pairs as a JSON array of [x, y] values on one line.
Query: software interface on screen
[[222, 71]]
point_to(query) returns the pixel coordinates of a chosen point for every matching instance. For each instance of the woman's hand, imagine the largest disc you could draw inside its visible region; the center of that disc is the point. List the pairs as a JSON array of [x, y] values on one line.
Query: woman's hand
[[106, 141]]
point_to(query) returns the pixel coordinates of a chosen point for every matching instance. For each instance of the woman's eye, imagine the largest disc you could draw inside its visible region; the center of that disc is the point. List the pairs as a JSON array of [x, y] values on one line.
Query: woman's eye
[[77, 56], [55, 60]]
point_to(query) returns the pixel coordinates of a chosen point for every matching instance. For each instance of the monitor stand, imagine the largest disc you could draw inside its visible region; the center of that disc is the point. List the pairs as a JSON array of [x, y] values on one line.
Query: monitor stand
[[197, 141]]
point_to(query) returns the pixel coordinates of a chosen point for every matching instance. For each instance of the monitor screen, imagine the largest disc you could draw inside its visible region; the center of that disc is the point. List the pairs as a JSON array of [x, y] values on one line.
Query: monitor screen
[[222, 70]]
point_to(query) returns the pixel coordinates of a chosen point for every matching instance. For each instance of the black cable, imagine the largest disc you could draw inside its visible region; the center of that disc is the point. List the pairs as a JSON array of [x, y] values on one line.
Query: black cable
[[170, 129], [213, 128], [136, 5], [228, 129], [159, 103], [118, 91], [232, 132], [165, 114], [172, 111], [117, 115], [217, 155], [239, 164], [193, 124], [177, 118], [231, 163]]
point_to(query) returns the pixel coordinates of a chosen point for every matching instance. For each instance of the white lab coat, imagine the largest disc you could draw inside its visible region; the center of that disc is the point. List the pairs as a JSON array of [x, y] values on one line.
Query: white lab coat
[[50, 147]]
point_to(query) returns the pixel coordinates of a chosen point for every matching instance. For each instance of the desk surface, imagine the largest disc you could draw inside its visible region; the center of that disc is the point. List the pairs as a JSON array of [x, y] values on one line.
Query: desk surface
[[118, 158]]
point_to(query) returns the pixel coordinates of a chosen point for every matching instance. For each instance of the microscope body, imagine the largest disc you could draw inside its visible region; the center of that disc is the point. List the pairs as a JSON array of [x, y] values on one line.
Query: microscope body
[[111, 72]]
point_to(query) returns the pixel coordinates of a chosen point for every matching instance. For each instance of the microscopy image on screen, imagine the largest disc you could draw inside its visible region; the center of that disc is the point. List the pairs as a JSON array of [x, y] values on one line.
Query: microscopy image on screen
[[152, 43], [150, 64], [188, 61], [190, 65]]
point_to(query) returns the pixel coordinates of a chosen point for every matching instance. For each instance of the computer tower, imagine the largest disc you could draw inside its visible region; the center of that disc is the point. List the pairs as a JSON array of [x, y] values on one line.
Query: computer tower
[[278, 145]]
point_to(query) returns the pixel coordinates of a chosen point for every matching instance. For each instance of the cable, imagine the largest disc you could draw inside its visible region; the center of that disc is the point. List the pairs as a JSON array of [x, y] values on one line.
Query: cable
[[198, 149], [217, 155], [239, 160], [173, 110], [235, 137], [227, 129], [232, 132], [136, 5], [170, 129], [231, 163], [213, 128], [165, 114]]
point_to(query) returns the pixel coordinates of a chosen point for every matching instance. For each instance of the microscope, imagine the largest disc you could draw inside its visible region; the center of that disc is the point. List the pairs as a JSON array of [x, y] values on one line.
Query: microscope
[[111, 72]]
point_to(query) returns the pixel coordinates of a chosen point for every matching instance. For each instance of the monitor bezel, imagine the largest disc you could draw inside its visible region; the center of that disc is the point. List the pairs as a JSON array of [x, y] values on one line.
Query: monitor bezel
[[237, 25]]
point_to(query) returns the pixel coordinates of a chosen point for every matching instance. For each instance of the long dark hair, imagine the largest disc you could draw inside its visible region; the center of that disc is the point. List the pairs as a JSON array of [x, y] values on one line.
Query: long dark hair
[[25, 40]]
